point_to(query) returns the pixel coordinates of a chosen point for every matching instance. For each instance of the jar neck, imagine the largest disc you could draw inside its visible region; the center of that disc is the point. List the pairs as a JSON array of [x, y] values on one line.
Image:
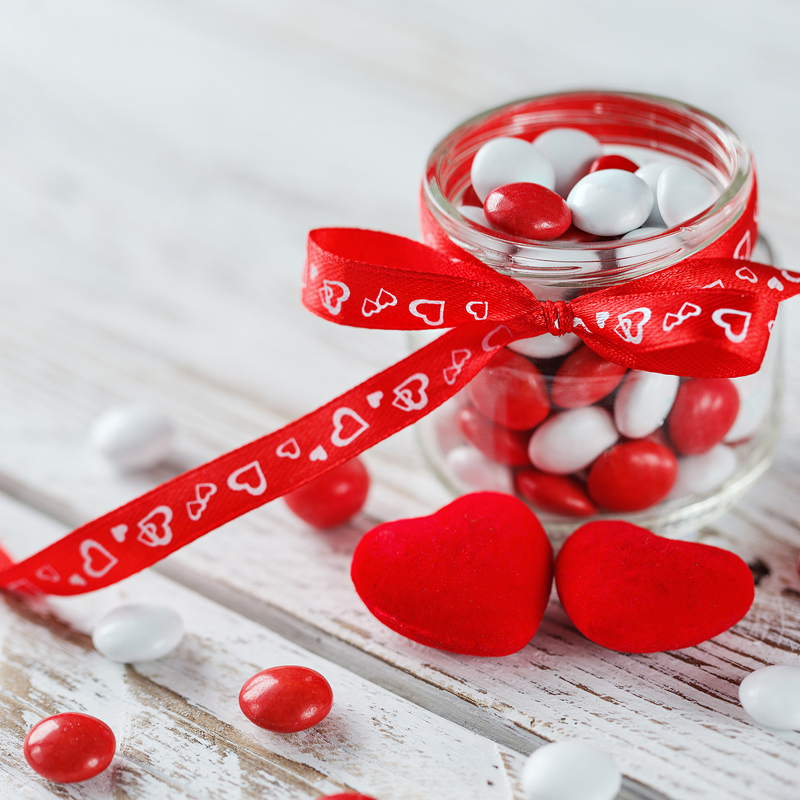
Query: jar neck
[[658, 127]]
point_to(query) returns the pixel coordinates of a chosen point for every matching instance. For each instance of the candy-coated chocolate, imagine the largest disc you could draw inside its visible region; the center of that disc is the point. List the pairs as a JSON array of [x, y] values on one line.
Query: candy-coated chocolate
[[546, 345], [632, 476], [133, 436], [470, 198], [570, 771], [613, 161], [650, 174], [68, 748], [643, 402], [286, 699], [475, 472], [508, 160], [584, 378], [702, 414], [333, 497], [559, 494], [528, 210], [577, 236], [705, 472], [683, 193], [643, 233], [494, 441], [511, 392], [610, 202], [571, 152], [138, 632], [570, 441], [771, 696]]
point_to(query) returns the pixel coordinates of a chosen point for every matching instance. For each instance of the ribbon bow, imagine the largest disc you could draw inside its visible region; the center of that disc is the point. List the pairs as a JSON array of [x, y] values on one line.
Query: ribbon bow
[[709, 315]]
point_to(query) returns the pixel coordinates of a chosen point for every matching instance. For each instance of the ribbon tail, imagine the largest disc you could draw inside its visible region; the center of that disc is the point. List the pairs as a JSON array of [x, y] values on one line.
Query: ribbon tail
[[164, 519]]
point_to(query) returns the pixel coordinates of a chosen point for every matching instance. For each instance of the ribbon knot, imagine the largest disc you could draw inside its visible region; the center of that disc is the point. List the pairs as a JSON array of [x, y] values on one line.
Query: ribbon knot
[[558, 316]]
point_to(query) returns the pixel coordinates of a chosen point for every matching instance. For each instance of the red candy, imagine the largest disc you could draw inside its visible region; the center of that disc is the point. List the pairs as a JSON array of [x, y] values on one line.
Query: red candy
[[528, 210], [286, 699], [473, 578], [558, 494], [584, 378], [470, 198], [68, 748], [632, 476], [573, 234], [629, 590], [511, 392], [613, 162], [332, 498], [703, 412], [494, 441]]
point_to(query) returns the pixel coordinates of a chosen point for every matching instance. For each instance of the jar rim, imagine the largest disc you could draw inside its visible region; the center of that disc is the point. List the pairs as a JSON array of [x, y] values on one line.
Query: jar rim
[[659, 124]]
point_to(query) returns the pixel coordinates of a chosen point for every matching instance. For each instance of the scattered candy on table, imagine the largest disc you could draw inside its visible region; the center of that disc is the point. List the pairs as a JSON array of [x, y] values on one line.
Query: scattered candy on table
[[333, 497], [138, 632], [133, 436], [286, 699], [771, 696], [473, 578], [570, 771], [68, 748]]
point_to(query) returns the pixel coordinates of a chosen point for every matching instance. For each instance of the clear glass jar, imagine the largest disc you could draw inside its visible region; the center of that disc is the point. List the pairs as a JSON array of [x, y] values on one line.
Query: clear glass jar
[[459, 444]]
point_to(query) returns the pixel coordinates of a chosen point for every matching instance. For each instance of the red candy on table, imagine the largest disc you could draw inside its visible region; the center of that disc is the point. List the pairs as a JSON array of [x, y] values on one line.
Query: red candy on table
[[510, 391], [613, 162], [632, 476], [333, 497], [559, 494], [68, 748], [528, 210], [703, 412], [286, 699], [584, 378], [494, 441]]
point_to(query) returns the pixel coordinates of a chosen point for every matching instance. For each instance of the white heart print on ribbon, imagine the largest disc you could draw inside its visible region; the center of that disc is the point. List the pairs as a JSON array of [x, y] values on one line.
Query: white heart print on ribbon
[[333, 294], [248, 478], [433, 316], [410, 394], [743, 249], [319, 453], [374, 399], [479, 309], [97, 561], [154, 529], [496, 337], [725, 317], [629, 327], [774, 283], [339, 417], [600, 318], [47, 573], [383, 300], [459, 358], [686, 311], [288, 449], [202, 494], [746, 274]]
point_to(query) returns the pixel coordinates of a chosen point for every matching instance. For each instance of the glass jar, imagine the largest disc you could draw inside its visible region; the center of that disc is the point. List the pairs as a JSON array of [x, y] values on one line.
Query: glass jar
[[472, 448]]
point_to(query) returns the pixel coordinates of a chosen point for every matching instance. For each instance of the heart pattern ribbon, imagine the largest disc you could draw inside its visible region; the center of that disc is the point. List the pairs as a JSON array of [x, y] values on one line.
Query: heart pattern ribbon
[[709, 315]]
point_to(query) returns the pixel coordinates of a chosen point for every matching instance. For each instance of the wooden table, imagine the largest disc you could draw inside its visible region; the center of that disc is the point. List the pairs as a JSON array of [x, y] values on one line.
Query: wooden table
[[160, 165]]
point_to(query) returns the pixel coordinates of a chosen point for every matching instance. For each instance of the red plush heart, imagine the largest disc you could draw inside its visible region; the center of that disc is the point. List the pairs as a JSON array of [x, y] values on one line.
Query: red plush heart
[[472, 578], [630, 590]]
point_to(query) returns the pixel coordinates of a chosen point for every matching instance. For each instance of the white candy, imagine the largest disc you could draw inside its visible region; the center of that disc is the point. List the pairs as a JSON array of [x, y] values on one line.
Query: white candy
[[546, 345], [650, 173], [610, 202], [643, 402], [132, 437], [771, 696], [683, 193], [700, 474], [570, 771], [507, 160], [138, 632], [571, 152], [475, 214], [572, 440], [643, 233], [477, 472]]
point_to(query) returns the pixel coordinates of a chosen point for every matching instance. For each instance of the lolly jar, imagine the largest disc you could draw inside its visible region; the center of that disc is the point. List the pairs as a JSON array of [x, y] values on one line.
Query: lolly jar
[[571, 194]]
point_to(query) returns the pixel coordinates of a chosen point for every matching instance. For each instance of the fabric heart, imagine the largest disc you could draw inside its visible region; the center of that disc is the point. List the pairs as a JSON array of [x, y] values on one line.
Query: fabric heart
[[473, 578], [632, 591]]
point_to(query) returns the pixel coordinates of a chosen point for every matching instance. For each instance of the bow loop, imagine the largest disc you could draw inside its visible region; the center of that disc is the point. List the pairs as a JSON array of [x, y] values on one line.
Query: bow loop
[[558, 316]]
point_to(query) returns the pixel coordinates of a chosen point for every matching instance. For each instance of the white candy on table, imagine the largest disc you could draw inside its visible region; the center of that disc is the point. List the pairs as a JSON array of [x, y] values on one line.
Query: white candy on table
[[643, 402], [650, 173], [571, 152], [133, 437], [682, 193], [771, 696], [546, 345], [700, 474], [507, 160], [571, 440], [477, 472], [570, 771], [610, 202], [138, 632]]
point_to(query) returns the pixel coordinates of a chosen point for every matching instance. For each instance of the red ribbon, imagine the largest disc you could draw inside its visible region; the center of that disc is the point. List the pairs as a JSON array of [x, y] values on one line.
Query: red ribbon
[[709, 315]]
